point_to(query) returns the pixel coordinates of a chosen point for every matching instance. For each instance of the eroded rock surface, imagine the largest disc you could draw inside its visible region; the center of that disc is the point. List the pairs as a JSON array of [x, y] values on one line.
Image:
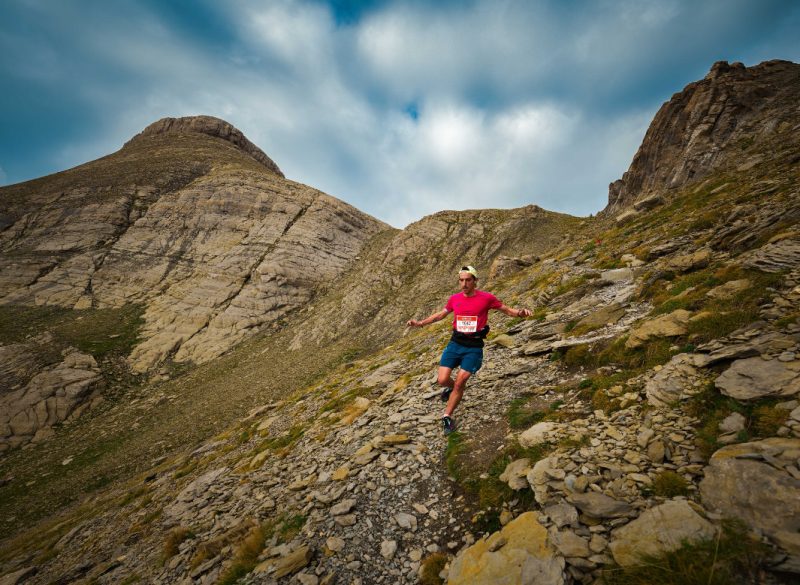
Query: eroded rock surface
[[49, 398]]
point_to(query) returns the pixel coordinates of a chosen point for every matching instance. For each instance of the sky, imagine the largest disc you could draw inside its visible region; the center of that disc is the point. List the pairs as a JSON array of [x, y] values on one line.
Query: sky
[[399, 107]]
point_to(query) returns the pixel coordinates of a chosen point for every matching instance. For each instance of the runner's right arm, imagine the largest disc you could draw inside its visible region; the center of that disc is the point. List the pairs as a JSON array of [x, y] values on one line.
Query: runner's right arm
[[428, 320]]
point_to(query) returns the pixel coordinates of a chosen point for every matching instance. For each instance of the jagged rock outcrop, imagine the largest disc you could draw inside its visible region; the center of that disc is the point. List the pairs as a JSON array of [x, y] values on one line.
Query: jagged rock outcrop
[[708, 125]]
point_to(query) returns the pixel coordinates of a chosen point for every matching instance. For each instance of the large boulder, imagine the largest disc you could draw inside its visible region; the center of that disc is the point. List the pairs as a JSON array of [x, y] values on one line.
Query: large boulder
[[679, 379], [537, 434], [688, 262], [729, 290], [520, 554], [659, 530], [670, 325], [603, 316], [752, 378], [758, 483]]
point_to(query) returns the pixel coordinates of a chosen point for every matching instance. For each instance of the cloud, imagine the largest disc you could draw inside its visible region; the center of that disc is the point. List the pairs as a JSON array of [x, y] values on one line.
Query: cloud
[[406, 109]]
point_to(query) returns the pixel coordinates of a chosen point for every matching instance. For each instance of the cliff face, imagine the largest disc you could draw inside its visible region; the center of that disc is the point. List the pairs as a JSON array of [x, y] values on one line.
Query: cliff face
[[707, 126]]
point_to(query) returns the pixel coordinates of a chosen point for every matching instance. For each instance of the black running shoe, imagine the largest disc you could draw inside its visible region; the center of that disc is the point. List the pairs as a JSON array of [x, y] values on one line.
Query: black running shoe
[[445, 395], [448, 424]]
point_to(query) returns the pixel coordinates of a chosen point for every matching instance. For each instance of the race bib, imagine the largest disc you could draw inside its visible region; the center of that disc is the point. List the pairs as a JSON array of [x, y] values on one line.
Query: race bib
[[466, 324]]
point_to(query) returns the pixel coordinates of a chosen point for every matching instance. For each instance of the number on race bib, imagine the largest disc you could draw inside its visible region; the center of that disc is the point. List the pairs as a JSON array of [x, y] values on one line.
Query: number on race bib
[[466, 324]]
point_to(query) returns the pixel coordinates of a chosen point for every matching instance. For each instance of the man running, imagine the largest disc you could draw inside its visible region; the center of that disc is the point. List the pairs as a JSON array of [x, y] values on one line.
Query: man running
[[470, 310]]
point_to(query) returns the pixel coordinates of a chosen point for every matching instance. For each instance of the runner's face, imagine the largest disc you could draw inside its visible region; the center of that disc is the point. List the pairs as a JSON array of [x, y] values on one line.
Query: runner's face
[[466, 282]]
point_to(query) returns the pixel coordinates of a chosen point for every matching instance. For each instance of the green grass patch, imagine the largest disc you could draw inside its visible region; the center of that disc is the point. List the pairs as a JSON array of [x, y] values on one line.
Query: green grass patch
[[522, 415], [99, 332], [571, 284], [523, 412], [133, 495], [614, 353], [285, 440], [710, 407], [733, 558], [793, 317], [289, 527], [765, 419], [339, 401], [456, 444], [539, 314], [481, 482]]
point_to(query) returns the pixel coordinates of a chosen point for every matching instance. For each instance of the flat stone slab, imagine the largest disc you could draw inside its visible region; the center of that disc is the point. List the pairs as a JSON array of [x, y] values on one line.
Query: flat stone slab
[[659, 530], [752, 378]]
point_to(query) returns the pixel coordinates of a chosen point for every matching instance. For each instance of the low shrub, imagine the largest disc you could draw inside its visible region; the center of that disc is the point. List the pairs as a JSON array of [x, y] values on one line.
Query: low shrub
[[766, 420], [430, 567], [670, 484], [246, 556], [174, 540], [522, 415]]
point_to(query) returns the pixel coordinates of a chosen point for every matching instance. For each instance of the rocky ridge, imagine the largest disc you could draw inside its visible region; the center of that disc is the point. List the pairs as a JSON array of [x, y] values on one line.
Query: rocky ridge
[[212, 127]]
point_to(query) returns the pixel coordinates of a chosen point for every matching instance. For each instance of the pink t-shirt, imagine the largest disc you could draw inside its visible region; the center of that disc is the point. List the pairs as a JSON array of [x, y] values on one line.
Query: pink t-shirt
[[470, 314]]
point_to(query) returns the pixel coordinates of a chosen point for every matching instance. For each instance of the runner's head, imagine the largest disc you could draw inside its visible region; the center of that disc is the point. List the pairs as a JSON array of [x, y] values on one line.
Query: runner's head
[[467, 279]]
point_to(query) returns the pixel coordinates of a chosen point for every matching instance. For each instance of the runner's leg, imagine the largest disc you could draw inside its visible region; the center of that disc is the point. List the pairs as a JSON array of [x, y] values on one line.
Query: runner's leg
[[444, 377], [458, 391]]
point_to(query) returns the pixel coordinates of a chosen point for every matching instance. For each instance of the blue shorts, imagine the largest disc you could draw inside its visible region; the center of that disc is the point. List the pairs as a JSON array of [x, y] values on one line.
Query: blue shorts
[[469, 358]]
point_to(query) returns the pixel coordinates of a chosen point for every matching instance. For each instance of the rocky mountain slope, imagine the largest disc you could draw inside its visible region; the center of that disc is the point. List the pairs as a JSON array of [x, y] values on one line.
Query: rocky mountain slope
[[190, 222], [649, 407]]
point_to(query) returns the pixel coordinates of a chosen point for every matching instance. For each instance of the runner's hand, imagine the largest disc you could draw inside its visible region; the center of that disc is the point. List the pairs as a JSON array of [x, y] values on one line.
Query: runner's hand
[[412, 323], [525, 313]]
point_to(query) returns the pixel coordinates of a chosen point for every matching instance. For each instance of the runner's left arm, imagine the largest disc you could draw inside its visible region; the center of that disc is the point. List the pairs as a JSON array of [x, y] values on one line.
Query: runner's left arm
[[514, 312]]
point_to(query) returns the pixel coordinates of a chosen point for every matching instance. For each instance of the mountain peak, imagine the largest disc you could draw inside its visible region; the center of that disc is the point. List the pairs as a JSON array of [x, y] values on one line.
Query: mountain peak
[[211, 126], [704, 127]]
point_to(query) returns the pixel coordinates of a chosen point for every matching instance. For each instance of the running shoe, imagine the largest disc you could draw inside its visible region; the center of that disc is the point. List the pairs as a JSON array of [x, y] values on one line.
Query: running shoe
[[445, 395], [448, 424]]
